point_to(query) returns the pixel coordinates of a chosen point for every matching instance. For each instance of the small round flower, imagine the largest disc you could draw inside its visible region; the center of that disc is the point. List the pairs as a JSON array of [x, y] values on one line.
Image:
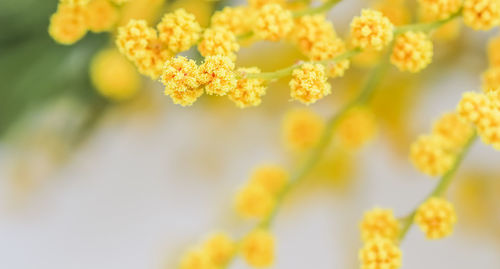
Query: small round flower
[[180, 77], [254, 201], [101, 15], [218, 41], [489, 127], [235, 19], [67, 25], [436, 218], [329, 49], [310, 29], [217, 74], [273, 22], [454, 130], [372, 30], [429, 155], [440, 9], [357, 128], [258, 248], [260, 3], [380, 253], [473, 106], [248, 91], [150, 61], [134, 38], [196, 259], [272, 177], [219, 248], [481, 14], [494, 51], [302, 129], [379, 222], [179, 30], [309, 83], [113, 75], [412, 51], [491, 79]]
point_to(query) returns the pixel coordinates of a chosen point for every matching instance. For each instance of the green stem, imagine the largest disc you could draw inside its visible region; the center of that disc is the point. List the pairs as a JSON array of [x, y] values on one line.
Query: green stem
[[426, 27], [441, 187], [314, 10]]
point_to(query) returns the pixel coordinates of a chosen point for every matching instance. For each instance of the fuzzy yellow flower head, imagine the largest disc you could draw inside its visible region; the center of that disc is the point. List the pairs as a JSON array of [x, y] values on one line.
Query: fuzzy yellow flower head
[[412, 51], [101, 15], [379, 222], [329, 49], [218, 41], [68, 25], [196, 259], [481, 14], [258, 248], [219, 248], [248, 91], [440, 9], [179, 30], [311, 29], [134, 38], [217, 74], [380, 253], [357, 128], [436, 218], [372, 30], [150, 61], [272, 177], [454, 130], [273, 22], [489, 125], [473, 106], [429, 155], [180, 78], [491, 79], [302, 129], [494, 51], [113, 75], [309, 83], [254, 201], [236, 19]]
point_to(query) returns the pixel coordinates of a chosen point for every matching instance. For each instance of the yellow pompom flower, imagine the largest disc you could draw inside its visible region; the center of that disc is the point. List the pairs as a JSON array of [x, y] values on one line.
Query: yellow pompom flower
[[473, 106], [254, 201], [440, 9], [436, 218], [302, 129], [180, 78], [379, 222], [217, 74], [357, 128], [489, 125], [179, 30], [218, 41], [258, 248], [273, 22], [494, 51], [412, 51], [133, 38], [219, 248], [260, 3], [101, 15], [329, 49], [272, 177], [68, 25], [371, 30], [236, 19], [311, 29], [113, 75], [196, 259], [151, 61], [491, 79], [481, 14], [380, 253], [454, 130], [248, 91], [429, 155], [309, 83]]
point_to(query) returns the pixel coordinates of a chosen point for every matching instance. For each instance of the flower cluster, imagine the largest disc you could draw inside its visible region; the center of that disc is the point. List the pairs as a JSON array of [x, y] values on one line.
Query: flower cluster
[[481, 14], [309, 83], [412, 51], [372, 30], [273, 22], [436, 218]]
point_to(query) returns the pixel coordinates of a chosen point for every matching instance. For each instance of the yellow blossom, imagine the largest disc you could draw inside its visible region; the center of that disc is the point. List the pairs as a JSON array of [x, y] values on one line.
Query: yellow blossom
[[219, 248], [248, 91], [430, 156], [254, 201], [372, 30], [481, 14], [491, 79], [379, 222], [473, 106], [179, 30], [309, 83], [380, 253], [180, 78], [151, 60], [258, 248], [133, 38], [440, 9], [236, 19], [329, 49], [260, 3], [357, 128], [273, 22], [196, 259], [454, 130], [113, 75], [101, 15], [68, 25], [217, 74], [488, 126], [311, 29], [302, 129], [218, 41], [272, 177], [494, 51], [436, 218], [412, 51]]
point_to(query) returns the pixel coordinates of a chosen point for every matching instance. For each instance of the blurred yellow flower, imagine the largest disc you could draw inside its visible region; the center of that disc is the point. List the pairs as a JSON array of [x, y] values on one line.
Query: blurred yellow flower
[[272, 177], [179, 30], [236, 19], [454, 130], [196, 259], [258, 248], [491, 79], [380, 253], [254, 201], [429, 155], [219, 248], [481, 14], [412, 51], [436, 218], [101, 15], [302, 129], [494, 52], [68, 25], [379, 222]]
